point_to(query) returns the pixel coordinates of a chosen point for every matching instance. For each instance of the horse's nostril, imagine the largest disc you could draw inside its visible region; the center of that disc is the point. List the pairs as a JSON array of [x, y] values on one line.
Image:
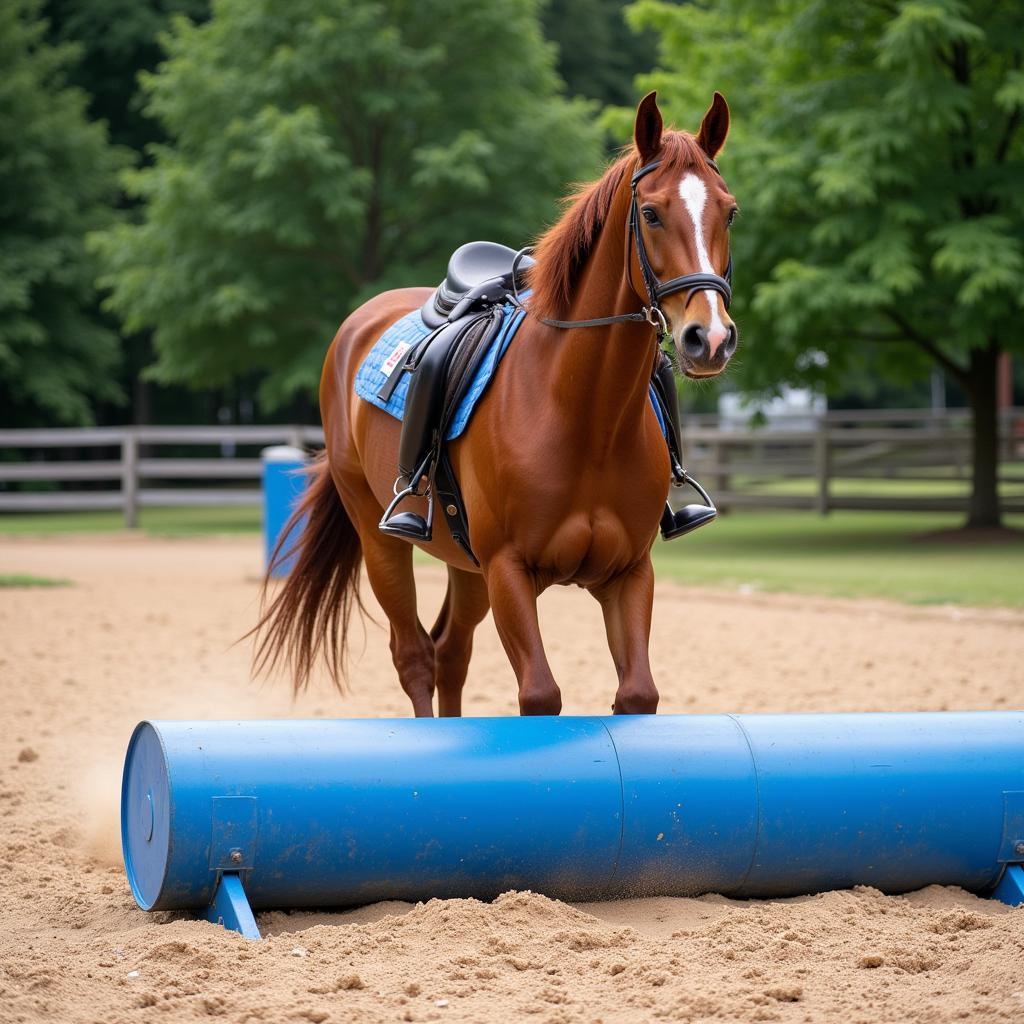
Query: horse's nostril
[[695, 342], [731, 342]]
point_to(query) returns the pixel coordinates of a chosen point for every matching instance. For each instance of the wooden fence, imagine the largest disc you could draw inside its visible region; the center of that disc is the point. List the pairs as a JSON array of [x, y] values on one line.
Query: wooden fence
[[880, 459], [127, 471], [901, 460]]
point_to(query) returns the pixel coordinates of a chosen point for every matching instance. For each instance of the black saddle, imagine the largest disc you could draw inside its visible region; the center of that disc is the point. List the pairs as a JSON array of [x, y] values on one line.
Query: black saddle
[[477, 272]]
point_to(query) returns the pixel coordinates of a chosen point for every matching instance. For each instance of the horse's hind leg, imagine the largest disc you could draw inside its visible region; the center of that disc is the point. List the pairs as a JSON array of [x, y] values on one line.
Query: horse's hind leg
[[464, 608], [389, 569]]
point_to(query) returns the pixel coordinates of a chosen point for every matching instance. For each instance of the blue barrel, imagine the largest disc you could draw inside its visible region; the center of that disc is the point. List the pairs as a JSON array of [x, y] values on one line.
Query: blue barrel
[[283, 486], [345, 812]]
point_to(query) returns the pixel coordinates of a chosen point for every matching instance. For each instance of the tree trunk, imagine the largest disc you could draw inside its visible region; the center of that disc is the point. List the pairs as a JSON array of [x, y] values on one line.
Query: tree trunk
[[984, 510]]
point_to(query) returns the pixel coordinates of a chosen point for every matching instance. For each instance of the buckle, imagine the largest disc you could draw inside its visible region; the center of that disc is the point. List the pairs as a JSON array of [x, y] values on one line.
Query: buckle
[[654, 316]]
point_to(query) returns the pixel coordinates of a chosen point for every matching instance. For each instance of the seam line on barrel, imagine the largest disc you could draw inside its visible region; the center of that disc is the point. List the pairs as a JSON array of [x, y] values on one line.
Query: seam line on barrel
[[757, 803], [622, 806]]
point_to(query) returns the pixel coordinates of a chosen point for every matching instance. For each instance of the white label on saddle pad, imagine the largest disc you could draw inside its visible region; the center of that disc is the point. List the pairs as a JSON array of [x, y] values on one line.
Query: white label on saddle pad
[[394, 359]]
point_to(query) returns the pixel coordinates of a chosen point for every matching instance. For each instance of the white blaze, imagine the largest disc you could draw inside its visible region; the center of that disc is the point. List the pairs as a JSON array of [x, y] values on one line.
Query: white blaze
[[695, 195]]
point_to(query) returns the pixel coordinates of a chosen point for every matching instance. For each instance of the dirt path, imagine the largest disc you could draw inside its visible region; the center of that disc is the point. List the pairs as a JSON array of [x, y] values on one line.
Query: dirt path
[[146, 631]]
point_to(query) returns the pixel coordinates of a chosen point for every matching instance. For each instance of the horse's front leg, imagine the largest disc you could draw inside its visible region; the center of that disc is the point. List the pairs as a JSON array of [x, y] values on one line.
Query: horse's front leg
[[627, 602], [512, 589]]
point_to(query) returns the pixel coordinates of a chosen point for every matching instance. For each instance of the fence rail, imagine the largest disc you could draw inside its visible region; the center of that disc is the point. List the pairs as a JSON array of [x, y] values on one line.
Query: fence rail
[[919, 460]]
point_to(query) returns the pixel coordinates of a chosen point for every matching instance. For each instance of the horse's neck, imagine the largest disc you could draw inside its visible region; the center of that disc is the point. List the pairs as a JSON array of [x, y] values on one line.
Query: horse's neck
[[606, 370]]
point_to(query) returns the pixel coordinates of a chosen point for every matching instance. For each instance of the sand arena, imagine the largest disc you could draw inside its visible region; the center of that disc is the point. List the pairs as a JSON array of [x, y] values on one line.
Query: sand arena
[[147, 630]]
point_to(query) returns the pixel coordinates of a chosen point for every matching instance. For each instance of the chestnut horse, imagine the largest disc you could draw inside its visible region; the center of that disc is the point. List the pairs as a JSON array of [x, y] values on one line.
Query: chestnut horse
[[564, 470]]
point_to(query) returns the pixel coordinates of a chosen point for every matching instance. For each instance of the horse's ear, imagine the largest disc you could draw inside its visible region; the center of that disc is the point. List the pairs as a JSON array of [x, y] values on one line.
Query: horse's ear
[[715, 126], [648, 127]]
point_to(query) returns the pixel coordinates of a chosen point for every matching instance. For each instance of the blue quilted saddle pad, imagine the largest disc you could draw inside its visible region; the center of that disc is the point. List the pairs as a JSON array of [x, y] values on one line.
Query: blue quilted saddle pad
[[394, 344]]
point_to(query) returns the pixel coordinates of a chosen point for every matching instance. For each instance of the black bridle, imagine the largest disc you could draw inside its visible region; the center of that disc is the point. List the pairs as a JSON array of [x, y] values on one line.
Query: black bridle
[[656, 290]]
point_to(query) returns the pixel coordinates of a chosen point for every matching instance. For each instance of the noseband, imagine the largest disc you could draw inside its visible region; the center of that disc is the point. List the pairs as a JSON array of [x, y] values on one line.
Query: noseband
[[656, 290]]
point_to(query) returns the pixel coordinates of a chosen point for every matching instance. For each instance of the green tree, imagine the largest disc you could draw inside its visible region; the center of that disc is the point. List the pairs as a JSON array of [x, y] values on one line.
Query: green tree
[[321, 151], [58, 181], [117, 39], [598, 54], [878, 158]]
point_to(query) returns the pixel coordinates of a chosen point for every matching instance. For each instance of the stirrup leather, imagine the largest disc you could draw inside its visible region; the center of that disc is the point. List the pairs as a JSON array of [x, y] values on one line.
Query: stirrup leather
[[689, 517]]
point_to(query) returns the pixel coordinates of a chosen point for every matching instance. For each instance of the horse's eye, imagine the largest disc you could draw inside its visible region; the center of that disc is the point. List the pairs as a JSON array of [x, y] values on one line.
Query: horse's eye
[[650, 216], [732, 217]]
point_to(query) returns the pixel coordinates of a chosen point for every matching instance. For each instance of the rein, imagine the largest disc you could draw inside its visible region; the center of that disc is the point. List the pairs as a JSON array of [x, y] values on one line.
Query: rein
[[656, 290]]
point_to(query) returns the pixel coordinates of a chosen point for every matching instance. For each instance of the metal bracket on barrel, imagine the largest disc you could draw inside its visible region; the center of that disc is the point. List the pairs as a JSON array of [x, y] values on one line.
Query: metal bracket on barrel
[[232, 852], [1011, 853], [230, 907]]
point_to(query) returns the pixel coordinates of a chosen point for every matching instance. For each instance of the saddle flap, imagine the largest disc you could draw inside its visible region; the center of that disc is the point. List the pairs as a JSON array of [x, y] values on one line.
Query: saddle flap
[[443, 367]]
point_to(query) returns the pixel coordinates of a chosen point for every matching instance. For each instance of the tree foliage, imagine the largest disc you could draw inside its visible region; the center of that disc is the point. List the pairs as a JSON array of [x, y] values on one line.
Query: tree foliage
[[878, 158], [117, 39], [598, 55], [321, 151], [58, 181]]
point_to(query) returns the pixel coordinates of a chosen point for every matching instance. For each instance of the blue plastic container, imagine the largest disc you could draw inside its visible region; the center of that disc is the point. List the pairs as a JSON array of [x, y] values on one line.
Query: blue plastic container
[[283, 486], [345, 812]]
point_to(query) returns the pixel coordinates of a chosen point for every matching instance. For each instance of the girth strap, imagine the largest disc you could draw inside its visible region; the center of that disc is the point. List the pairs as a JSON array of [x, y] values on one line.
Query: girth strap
[[449, 495]]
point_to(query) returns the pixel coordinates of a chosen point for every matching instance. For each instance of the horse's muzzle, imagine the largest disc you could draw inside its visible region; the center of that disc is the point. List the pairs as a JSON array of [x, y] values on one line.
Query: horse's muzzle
[[700, 355]]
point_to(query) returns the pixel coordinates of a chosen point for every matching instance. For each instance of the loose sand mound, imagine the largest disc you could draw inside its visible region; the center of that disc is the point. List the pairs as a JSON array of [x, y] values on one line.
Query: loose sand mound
[[146, 631]]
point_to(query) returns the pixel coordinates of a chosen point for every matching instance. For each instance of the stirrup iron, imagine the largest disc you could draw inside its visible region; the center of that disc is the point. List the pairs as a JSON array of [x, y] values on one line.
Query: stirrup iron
[[689, 517], [411, 526]]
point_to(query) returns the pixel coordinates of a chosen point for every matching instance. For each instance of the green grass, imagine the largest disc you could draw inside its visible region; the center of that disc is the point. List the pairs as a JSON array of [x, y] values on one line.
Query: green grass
[[21, 579], [849, 554], [157, 522]]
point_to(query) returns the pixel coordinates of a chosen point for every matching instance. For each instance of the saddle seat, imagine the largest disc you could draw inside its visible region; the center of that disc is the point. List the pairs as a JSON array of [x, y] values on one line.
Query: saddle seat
[[478, 272]]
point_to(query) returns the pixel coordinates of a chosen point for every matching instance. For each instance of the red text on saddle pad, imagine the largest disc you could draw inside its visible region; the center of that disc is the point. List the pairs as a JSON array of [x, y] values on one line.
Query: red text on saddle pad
[[392, 360]]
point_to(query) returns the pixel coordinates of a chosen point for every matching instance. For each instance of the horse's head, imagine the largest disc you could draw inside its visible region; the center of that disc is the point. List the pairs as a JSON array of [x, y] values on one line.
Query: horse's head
[[684, 212]]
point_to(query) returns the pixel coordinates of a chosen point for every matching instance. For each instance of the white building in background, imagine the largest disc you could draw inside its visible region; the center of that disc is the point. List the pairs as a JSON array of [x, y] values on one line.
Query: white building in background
[[793, 409]]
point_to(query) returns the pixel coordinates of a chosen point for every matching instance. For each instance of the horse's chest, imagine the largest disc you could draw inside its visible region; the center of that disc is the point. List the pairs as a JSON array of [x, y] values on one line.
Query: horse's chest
[[590, 548]]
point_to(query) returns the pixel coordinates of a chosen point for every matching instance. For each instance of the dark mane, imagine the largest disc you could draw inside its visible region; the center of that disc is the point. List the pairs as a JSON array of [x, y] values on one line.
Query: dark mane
[[562, 250]]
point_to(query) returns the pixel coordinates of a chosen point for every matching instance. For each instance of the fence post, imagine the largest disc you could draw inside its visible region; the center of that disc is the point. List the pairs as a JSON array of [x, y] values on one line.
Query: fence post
[[721, 456], [821, 465], [130, 478]]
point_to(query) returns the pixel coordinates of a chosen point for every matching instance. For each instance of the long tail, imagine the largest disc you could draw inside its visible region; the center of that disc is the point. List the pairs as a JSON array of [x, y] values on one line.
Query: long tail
[[309, 616]]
